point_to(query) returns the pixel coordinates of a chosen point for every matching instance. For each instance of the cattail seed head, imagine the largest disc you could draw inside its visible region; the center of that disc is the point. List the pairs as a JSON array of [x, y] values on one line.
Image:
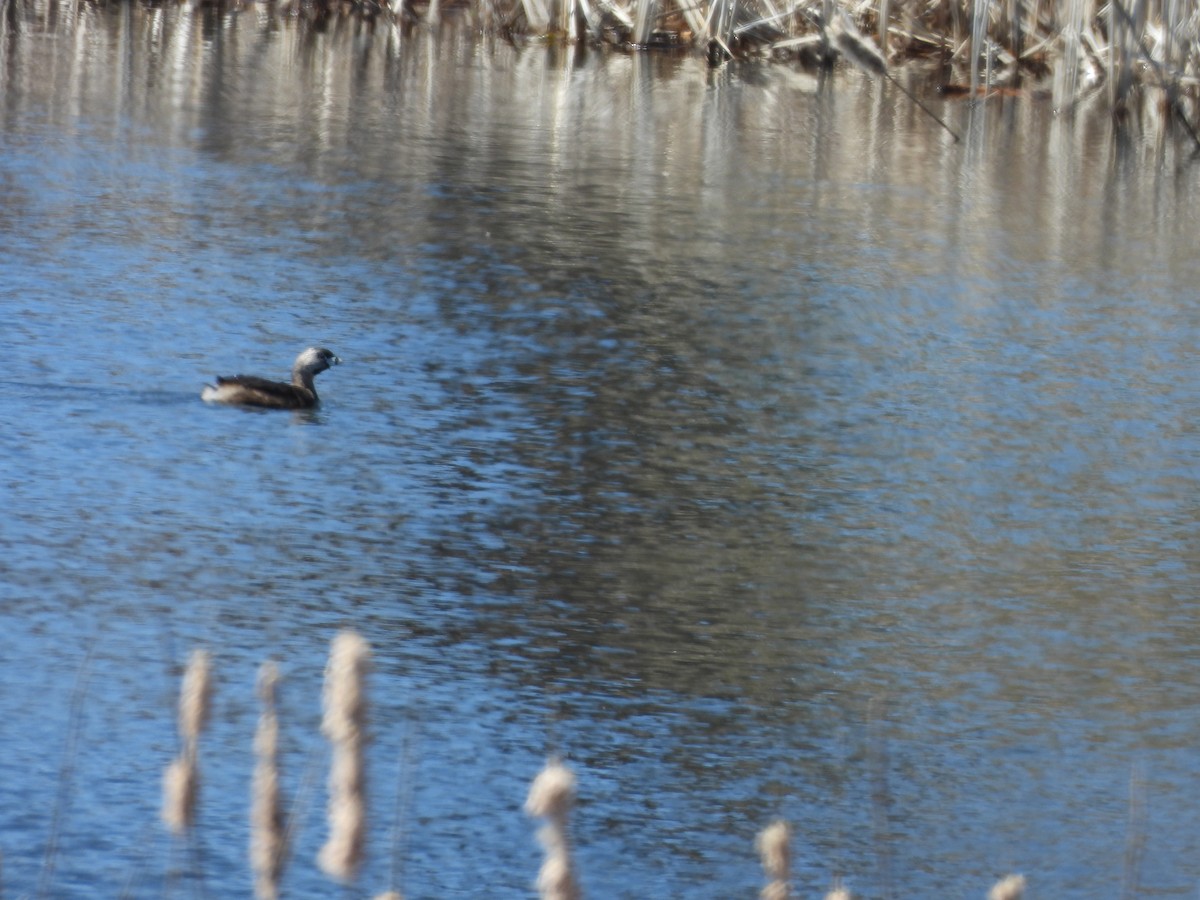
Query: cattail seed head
[[551, 796], [552, 793], [266, 737], [268, 832], [181, 780], [342, 853], [555, 879], [1011, 887], [180, 786], [773, 849], [345, 700], [344, 723], [195, 696]]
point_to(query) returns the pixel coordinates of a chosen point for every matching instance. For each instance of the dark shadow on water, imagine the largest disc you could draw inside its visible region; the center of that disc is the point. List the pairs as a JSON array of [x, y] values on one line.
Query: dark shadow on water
[[298, 416], [101, 392], [117, 395]]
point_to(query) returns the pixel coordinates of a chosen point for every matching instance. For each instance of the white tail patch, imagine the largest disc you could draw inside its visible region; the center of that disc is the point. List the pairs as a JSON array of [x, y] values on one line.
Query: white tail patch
[[216, 393]]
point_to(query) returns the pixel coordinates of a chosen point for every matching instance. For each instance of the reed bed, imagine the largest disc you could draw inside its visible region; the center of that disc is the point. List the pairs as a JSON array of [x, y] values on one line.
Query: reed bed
[[1137, 54], [551, 796], [1063, 50]]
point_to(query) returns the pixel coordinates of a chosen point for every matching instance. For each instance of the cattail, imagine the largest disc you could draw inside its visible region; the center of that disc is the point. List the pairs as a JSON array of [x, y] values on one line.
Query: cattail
[[389, 895], [345, 701], [344, 723], [180, 787], [772, 843], [555, 880], [268, 832], [552, 793], [1011, 887], [838, 893], [181, 781], [195, 696], [551, 796]]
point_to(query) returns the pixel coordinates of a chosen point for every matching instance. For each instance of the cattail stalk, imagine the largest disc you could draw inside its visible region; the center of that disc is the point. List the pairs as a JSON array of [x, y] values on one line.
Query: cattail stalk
[[344, 724], [268, 829], [773, 850], [551, 797], [181, 781]]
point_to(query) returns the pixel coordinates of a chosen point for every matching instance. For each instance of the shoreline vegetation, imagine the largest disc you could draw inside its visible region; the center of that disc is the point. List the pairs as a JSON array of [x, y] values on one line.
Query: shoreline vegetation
[[1131, 55], [344, 724], [1136, 57]]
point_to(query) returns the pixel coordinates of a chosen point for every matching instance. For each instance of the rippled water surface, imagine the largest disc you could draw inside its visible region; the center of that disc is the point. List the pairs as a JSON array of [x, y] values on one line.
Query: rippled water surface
[[734, 433]]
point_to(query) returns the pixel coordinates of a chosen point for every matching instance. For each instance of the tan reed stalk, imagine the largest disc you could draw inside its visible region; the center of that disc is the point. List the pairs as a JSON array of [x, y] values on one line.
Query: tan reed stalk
[[181, 781], [1011, 887], [551, 797], [268, 827], [772, 843], [838, 893], [344, 724]]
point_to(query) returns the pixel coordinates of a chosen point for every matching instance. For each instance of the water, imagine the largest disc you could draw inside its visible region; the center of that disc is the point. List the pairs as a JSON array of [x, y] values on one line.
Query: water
[[734, 433]]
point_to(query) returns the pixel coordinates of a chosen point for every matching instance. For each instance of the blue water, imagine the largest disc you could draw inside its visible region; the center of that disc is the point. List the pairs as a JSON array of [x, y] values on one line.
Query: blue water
[[737, 436]]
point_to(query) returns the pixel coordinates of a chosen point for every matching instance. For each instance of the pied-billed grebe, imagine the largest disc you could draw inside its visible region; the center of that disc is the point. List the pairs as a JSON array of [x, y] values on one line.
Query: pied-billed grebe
[[249, 390]]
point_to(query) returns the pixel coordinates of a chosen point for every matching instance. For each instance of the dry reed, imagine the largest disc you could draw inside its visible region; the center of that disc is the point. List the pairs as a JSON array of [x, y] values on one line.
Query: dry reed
[[66, 775], [1067, 49], [551, 797], [983, 47], [181, 781], [1062, 50], [344, 724], [268, 830], [773, 848]]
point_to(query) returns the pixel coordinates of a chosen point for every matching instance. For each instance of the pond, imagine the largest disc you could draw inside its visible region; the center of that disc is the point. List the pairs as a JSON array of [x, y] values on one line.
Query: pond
[[734, 433]]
